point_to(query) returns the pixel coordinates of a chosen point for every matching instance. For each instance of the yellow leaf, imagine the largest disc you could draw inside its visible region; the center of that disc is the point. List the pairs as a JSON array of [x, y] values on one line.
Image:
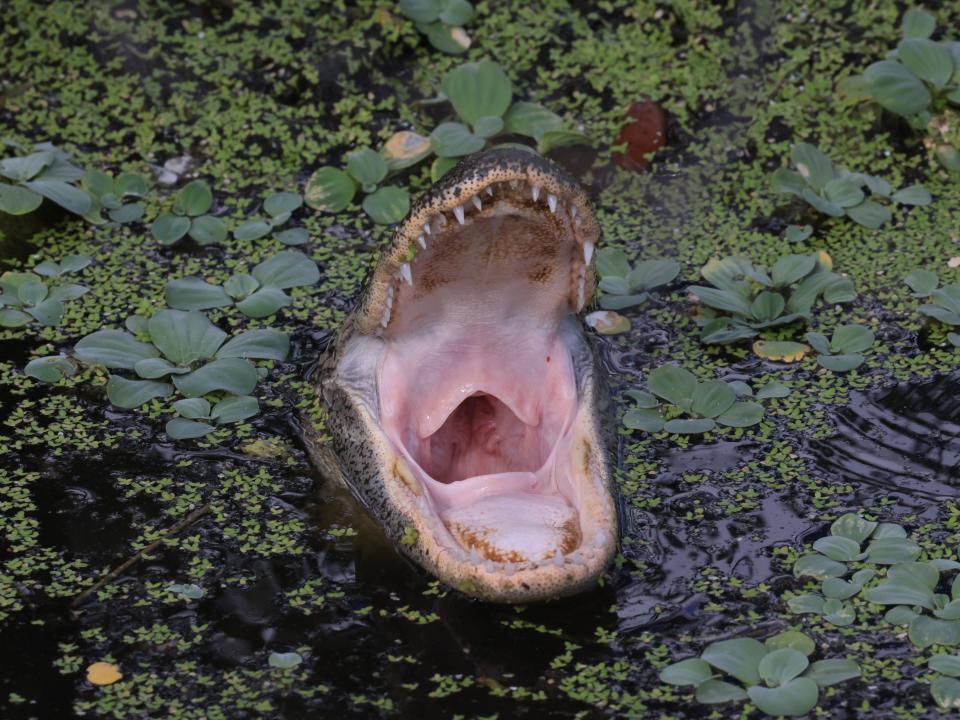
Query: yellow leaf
[[102, 673], [784, 351], [608, 322], [824, 260], [405, 148]]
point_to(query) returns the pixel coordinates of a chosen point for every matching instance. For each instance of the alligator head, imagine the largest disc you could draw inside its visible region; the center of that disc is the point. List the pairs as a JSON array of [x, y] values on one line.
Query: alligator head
[[462, 396]]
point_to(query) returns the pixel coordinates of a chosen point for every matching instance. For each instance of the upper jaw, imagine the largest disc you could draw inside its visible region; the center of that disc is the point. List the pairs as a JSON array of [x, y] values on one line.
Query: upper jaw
[[461, 196]]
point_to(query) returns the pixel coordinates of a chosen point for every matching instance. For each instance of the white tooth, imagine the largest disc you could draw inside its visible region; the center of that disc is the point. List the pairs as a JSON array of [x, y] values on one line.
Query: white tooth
[[422, 242], [580, 298], [535, 191], [476, 202], [587, 252], [508, 569], [488, 189], [426, 228], [458, 211], [390, 295], [406, 274], [474, 556], [558, 559], [576, 221], [552, 202], [574, 558], [385, 318], [488, 566], [573, 211]]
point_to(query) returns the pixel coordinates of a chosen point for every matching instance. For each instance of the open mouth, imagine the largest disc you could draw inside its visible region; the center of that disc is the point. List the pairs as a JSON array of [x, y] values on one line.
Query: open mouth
[[485, 386]]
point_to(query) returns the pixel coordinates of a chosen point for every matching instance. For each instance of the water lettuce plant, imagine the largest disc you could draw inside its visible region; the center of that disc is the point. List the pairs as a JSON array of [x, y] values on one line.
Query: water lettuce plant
[[843, 351], [330, 189], [441, 21], [837, 193], [257, 295], [482, 98], [109, 193], [191, 217], [696, 406], [889, 574], [776, 675], [279, 208], [45, 173], [945, 687], [919, 80], [945, 301], [26, 298], [754, 300], [624, 286], [176, 351]]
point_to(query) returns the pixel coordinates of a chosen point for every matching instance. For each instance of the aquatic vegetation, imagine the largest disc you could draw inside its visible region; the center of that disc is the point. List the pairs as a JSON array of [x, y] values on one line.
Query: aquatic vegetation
[[843, 351], [755, 300], [46, 173], [919, 80], [889, 574], [109, 193], [176, 351], [191, 217], [706, 403], [776, 675], [257, 295], [25, 298], [624, 286], [482, 97], [837, 193], [330, 189], [945, 305], [945, 688], [441, 21], [279, 207]]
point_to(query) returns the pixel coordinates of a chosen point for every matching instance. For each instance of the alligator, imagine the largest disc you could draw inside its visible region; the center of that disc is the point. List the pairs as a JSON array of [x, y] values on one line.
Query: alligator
[[464, 406]]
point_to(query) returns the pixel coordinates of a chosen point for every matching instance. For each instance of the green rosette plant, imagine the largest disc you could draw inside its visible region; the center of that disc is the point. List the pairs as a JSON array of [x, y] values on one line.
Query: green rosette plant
[[279, 208], [176, 352], [696, 406], [743, 300], [441, 21], [257, 295], [25, 297], [944, 305], [191, 217], [919, 80], [776, 675], [45, 173], [838, 193]]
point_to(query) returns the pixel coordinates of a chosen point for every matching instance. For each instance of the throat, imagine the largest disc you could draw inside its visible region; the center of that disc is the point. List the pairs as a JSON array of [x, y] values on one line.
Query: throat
[[482, 437]]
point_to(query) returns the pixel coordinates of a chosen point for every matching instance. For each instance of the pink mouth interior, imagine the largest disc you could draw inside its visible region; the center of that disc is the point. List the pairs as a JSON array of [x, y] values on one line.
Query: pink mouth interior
[[477, 392], [481, 437]]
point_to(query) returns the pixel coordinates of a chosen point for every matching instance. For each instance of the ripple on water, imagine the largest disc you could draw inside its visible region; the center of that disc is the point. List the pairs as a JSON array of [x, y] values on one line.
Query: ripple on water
[[903, 441]]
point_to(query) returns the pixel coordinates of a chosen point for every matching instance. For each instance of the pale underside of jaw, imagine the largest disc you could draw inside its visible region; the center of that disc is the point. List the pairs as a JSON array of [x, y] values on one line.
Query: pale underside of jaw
[[476, 385]]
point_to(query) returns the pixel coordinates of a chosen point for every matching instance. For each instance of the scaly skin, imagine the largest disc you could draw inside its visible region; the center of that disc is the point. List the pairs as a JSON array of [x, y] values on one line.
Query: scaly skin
[[369, 463]]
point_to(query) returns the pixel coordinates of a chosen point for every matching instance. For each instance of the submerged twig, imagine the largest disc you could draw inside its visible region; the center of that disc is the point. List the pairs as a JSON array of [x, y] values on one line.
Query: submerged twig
[[132, 560]]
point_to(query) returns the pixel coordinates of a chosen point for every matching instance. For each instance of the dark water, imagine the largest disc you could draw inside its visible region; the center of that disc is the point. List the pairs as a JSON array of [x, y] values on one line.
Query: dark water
[[904, 440]]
